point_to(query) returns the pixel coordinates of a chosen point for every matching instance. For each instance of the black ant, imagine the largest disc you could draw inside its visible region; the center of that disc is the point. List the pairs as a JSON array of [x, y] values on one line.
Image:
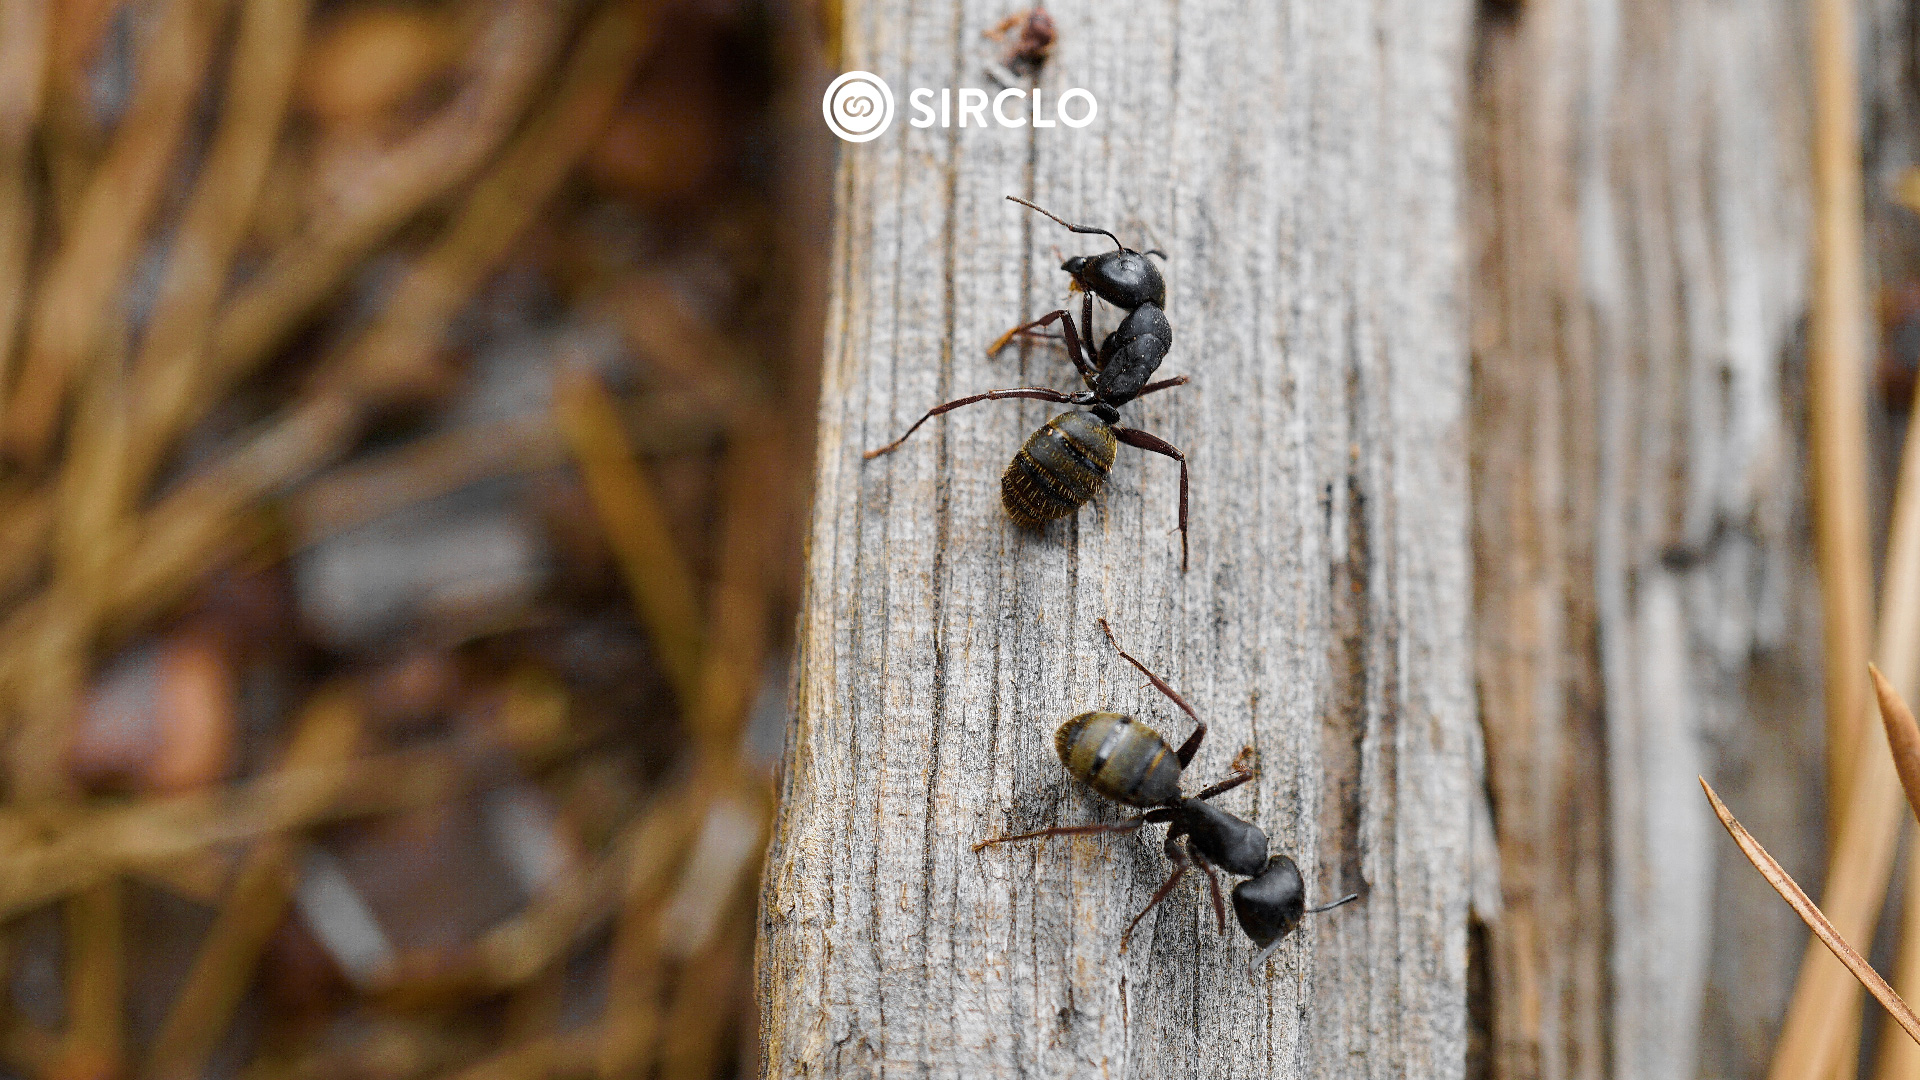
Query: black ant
[[1063, 465], [1128, 762]]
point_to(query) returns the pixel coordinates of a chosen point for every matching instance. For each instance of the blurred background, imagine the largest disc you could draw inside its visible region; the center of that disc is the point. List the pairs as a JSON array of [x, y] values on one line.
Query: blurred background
[[406, 412]]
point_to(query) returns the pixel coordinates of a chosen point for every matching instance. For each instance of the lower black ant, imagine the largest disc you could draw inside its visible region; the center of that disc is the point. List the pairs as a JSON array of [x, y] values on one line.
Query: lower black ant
[[1128, 762], [1065, 463]]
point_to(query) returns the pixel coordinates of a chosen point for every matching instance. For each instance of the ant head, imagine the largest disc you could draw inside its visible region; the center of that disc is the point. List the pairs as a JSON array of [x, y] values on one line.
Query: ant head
[[1125, 278], [1271, 904], [1233, 845]]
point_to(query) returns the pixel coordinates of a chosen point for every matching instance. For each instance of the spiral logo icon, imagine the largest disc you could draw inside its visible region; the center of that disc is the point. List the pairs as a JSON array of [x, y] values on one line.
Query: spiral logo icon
[[858, 106]]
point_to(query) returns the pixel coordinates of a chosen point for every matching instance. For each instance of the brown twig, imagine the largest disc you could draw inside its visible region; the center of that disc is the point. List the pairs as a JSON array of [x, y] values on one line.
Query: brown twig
[[1837, 385], [546, 1056], [507, 61], [713, 948], [26, 520], [1860, 860], [85, 277], [1798, 900], [325, 737], [72, 136], [1898, 1057], [166, 370], [639, 859], [178, 535], [42, 639], [695, 1029], [424, 469], [1903, 736], [398, 354], [118, 561], [739, 613], [630, 513], [686, 349], [93, 844], [1837, 432], [23, 63], [96, 980], [93, 504], [631, 1023], [29, 1049]]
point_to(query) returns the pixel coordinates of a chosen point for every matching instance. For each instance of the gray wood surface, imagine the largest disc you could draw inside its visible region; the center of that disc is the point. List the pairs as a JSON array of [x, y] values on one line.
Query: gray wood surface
[[1646, 601], [1300, 163]]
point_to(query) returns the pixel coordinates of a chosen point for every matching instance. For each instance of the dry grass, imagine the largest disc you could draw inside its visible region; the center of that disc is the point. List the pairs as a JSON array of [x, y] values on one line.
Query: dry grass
[[398, 522]]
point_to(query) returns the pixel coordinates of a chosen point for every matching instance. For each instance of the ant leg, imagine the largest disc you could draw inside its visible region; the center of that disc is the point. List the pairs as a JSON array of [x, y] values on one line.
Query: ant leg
[[1163, 384], [1081, 357], [1024, 328], [1226, 785], [1192, 745], [1244, 770], [1094, 360], [1213, 886], [1127, 826], [1260, 961], [1081, 351], [1145, 441], [1176, 853], [1037, 393]]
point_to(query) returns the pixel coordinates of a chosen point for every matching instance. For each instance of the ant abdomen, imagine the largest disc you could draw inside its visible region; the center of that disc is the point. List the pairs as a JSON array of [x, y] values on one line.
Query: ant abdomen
[[1059, 468], [1119, 757]]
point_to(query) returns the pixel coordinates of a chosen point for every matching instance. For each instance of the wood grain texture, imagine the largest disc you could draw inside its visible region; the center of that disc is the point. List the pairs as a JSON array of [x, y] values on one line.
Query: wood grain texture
[[1646, 606], [1300, 164]]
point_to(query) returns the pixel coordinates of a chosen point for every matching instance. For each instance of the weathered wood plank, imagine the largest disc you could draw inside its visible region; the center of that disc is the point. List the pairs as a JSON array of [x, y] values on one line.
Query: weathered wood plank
[[1646, 606], [1300, 164]]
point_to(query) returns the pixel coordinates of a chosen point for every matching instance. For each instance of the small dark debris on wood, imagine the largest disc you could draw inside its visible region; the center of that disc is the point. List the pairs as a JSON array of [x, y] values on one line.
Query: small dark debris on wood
[[1029, 37]]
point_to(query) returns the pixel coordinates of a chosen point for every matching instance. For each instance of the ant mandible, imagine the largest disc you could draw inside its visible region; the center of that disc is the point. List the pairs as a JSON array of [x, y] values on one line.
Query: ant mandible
[[1129, 763], [1064, 464]]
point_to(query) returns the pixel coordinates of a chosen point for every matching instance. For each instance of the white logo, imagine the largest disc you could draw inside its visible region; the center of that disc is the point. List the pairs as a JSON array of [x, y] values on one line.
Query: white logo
[[858, 106]]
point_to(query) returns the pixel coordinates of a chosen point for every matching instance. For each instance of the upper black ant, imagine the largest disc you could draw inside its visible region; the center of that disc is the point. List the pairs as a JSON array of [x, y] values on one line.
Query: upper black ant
[[1128, 762], [1063, 464]]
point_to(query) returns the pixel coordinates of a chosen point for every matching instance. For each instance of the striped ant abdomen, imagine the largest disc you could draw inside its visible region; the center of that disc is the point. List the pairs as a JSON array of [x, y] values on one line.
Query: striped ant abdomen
[[1060, 467], [1119, 757]]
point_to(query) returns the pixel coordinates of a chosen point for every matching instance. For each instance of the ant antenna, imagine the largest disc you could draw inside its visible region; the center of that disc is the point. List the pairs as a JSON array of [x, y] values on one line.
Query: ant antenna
[[1069, 224], [1254, 966], [1347, 899], [1156, 251]]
